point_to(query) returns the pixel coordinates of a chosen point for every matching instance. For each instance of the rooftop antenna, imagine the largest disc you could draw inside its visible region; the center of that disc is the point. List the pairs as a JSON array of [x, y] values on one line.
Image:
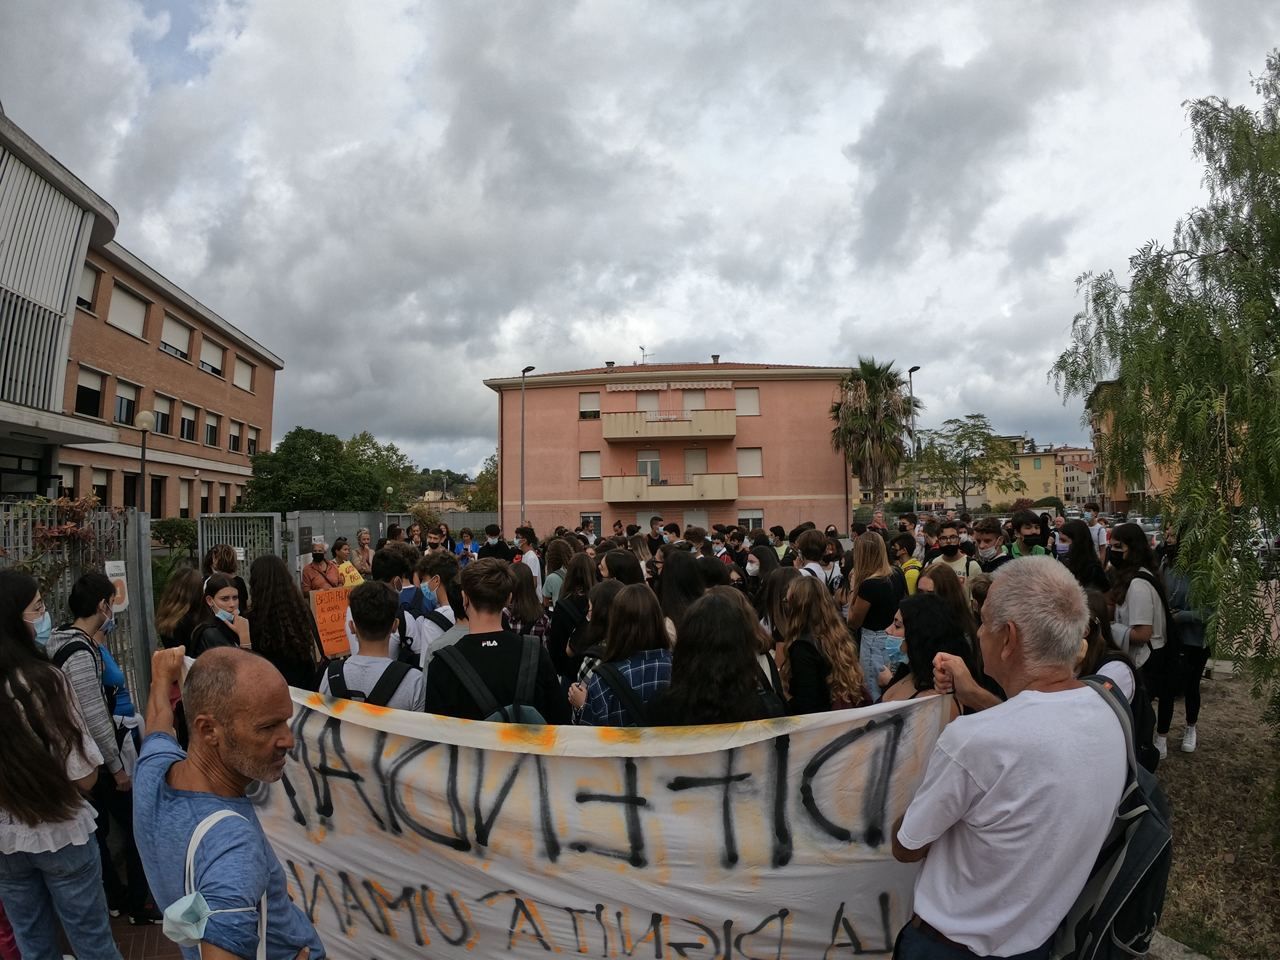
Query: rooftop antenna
[[644, 357]]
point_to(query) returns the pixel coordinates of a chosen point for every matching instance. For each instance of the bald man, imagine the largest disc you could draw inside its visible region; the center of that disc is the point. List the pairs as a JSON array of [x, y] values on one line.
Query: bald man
[[238, 711]]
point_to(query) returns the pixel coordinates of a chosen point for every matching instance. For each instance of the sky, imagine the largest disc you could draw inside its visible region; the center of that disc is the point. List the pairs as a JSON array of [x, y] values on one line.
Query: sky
[[402, 198]]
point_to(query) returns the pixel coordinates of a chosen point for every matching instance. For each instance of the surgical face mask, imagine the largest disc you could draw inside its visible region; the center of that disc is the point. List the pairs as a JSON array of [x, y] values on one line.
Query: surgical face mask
[[426, 589], [988, 553], [719, 549], [666, 538], [226, 616], [1062, 548], [186, 918], [753, 569], [109, 626], [43, 628], [491, 541]]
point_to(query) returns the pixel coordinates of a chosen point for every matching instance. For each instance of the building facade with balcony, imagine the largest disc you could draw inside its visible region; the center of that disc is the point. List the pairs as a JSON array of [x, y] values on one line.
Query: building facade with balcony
[[695, 443], [139, 343]]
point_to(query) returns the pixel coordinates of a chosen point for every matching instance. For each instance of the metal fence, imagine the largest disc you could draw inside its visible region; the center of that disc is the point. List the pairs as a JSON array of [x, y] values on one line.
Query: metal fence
[[251, 534], [58, 543]]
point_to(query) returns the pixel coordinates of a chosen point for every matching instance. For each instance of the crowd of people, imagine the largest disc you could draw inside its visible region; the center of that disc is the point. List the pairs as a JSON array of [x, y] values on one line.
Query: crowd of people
[[645, 627]]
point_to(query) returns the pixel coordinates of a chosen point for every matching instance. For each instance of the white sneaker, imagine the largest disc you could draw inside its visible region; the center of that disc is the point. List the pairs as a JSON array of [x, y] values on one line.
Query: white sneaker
[[1162, 746], [1189, 740]]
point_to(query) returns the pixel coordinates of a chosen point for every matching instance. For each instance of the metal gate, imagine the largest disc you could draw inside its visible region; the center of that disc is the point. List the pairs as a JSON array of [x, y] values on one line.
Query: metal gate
[[252, 534]]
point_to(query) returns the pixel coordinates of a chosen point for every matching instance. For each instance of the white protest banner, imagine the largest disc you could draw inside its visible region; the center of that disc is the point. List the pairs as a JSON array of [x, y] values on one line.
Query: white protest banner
[[410, 835]]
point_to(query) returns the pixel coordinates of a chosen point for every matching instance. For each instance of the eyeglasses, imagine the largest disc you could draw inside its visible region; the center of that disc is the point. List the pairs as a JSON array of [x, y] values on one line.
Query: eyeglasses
[[948, 539]]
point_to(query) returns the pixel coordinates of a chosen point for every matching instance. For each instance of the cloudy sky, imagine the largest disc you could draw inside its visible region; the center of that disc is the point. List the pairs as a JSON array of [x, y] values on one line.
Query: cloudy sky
[[401, 198]]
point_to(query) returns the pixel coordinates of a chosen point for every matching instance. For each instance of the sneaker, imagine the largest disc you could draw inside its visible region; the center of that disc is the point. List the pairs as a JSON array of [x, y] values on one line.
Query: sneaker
[[1162, 746], [1189, 740]]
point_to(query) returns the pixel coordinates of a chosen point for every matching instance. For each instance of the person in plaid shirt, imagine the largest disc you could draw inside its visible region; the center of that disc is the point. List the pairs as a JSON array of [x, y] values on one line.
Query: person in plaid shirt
[[636, 646]]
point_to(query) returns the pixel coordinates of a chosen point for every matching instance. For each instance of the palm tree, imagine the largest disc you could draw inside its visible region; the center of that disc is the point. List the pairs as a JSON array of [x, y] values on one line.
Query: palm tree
[[872, 418]]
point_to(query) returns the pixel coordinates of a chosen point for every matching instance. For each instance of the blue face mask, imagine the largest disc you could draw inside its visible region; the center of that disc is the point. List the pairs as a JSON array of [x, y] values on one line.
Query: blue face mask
[[186, 918], [109, 627], [43, 628], [226, 616]]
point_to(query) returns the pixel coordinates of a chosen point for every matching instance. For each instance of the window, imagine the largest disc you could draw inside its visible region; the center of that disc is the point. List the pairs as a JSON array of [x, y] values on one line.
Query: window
[[1036, 465], [88, 287], [211, 423], [233, 437], [595, 521], [253, 441], [747, 401], [162, 407], [204, 496], [89, 393], [750, 462], [222, 500], [187, 427], [588, 406], [694, 400], [175, 339], [184, 499], [130, 489], [244, 374], [649, 464], [751, 519], [126, 403], [67, 483], [211, 357], [589, 464], [647, 400], [100, 485], [155, 499], [128, 311], [695, 461]]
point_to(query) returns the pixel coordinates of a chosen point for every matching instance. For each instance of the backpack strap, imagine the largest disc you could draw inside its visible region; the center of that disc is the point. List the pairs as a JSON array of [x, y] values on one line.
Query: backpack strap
[[405, 652], [623, 691], [338, 680], [439, 619], [70, 649], [527, 676], [1119, 705], [470, 679], [388, 683], [205, 825]]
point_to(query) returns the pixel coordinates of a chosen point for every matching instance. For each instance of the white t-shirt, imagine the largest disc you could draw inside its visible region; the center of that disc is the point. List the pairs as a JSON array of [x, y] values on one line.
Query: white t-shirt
[[1119, 673], [430, 631], [1141, 607], [530, 558], [1017, 801], [1099, 534], [363, 673]]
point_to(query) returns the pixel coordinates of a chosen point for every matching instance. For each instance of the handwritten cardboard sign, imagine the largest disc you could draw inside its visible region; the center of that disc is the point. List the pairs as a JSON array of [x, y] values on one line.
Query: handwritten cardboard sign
[[401, 831], [329, 607]]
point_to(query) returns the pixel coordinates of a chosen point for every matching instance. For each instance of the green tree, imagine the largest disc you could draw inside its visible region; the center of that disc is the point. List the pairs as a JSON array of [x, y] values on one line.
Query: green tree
[[872, 419], [444, 480], [483, 496], [964, 456], [1181, 368], [310, 470]]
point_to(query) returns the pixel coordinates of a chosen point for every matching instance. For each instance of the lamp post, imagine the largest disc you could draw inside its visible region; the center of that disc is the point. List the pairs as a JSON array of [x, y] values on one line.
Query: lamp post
[[915, 478], [523, 373], [146, 422]]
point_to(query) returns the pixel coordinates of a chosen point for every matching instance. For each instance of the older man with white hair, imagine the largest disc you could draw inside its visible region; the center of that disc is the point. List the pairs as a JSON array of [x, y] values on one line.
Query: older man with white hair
[[1017, 799]]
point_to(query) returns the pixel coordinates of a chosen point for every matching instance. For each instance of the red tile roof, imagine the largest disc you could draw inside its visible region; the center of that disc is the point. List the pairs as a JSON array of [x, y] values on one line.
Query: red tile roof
[[674, 367]]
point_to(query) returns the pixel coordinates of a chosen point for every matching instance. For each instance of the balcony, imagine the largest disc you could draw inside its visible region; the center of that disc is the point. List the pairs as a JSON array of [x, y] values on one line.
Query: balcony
[[650, 425], [643, 489]]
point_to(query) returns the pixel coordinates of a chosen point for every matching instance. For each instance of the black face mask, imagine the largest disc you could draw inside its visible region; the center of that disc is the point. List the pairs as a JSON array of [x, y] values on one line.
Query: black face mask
[[1116, 558], [317, 558], [951, 549], [1171, 552]]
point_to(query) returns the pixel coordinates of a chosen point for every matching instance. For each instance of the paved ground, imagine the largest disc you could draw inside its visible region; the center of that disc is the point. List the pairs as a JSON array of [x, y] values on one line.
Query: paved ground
[[143, 943]]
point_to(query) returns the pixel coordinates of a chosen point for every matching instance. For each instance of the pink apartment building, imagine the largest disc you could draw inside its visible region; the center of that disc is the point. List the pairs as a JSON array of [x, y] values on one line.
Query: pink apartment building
[[697, 443]]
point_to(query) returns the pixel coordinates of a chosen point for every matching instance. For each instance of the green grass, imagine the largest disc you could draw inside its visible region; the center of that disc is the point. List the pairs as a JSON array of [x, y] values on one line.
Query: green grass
[[1197, 933]]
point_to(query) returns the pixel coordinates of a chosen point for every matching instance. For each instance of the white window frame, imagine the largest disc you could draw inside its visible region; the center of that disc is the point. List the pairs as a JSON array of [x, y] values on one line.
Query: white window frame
[[588, 464]]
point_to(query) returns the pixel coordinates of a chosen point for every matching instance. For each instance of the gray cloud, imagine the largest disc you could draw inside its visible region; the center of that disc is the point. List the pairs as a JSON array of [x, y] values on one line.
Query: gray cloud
[[402, 197]]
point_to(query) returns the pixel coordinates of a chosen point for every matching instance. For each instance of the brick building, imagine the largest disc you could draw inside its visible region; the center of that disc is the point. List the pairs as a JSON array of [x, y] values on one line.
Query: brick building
[[697, 443], [140, 343]]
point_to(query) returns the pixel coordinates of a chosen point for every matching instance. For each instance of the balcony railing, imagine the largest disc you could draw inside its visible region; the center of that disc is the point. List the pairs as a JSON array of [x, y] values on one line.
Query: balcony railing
[[643, 488], [670, 424]]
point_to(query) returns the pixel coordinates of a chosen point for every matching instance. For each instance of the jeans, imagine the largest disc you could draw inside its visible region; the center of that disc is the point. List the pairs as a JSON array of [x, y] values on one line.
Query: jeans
[[915, 944], [69, 881], [877, 648]]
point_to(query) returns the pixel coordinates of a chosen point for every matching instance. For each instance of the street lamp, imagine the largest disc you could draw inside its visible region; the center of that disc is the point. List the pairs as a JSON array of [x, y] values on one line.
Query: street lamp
[[146, 422], [915, 476], [523, 373]]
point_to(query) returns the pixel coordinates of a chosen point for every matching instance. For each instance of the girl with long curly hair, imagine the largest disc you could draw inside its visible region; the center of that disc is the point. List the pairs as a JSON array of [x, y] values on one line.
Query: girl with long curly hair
[[820, 671]]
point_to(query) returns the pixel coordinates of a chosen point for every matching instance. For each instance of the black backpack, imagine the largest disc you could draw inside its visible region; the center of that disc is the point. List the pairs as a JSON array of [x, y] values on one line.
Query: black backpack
[[382, 691], [1144, 716], [526, 677], [72, 647], [631, 702], [1115, 915]]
